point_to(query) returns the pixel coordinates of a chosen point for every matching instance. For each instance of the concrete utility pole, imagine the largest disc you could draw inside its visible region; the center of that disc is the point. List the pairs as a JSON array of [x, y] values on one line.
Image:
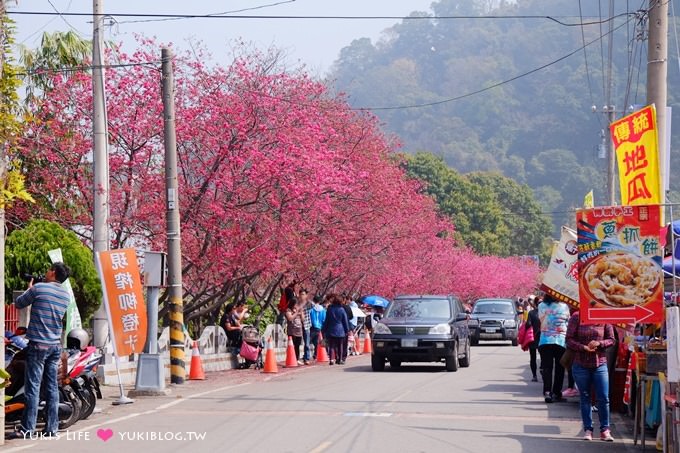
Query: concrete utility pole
[[657, 70], [100, 234], [3, 173], [177, 370]]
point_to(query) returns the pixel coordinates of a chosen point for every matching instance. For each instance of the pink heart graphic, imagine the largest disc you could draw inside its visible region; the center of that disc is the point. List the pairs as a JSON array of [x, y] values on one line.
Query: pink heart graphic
[[105, 434]]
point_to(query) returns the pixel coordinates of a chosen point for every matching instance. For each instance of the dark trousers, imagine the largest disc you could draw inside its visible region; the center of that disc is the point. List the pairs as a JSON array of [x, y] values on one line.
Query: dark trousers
[[550, 359], [297, 341], [532, 360], [314, 339], [335, 346]]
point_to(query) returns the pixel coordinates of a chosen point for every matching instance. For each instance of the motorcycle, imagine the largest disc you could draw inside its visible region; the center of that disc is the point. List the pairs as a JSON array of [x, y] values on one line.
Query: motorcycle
[[69, 407], [82, 377]]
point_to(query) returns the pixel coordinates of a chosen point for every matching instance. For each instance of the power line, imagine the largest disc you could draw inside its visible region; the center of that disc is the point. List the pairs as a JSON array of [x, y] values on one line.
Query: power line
[[84, 68], [555, 19], [269, 5], [495, 85]]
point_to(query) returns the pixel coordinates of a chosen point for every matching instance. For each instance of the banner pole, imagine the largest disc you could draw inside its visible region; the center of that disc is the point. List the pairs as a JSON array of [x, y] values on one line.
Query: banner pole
[[122, 399]]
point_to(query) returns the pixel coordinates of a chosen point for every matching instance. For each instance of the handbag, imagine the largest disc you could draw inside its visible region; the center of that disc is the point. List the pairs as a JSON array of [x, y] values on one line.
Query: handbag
[[567, 358], [528, 336], [521, 335]]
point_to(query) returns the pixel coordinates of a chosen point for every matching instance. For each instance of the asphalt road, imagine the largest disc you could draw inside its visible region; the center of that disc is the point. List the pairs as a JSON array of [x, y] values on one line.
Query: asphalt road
[[489, 407]]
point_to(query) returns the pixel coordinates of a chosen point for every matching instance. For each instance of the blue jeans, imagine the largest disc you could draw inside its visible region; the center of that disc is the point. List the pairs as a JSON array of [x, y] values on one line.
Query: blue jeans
[[306, 337], [41, 363], [314, 340], [587, 379]]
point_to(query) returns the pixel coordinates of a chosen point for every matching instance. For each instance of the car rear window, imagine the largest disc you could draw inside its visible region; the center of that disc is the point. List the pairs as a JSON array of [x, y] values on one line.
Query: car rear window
[[498, 307], [419, 308]]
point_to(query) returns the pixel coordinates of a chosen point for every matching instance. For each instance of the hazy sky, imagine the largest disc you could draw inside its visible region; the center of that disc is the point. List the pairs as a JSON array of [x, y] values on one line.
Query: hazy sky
[[316, 43]]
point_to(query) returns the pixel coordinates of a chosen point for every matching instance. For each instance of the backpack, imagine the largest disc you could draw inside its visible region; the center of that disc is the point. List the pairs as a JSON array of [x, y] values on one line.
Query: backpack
[[283, 302]]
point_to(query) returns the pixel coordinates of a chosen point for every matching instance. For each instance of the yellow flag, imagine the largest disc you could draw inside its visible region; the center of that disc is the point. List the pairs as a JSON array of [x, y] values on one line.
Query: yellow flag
[[589, 200]]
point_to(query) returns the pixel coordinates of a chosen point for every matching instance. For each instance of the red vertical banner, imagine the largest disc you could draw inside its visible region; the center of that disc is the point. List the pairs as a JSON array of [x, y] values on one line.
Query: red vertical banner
[[619, 256], [124, 299]]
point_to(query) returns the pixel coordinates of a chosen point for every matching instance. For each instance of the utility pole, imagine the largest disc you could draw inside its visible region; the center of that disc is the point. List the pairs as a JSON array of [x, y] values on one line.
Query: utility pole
[[177, 370], [100, 233], [3, 174], [657, 70], [611, 153]]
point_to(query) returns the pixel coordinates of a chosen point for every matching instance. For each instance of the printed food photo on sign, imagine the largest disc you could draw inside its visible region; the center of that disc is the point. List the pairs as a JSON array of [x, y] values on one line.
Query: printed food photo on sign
[[619, 259]]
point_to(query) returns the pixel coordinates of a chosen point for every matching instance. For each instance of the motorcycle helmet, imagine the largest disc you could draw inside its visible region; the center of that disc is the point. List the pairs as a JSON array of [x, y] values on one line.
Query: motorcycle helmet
[[77, 339]]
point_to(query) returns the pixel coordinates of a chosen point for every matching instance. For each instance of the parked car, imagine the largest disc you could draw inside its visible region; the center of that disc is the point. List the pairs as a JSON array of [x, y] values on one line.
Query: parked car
[[422, 329], [494, 319]]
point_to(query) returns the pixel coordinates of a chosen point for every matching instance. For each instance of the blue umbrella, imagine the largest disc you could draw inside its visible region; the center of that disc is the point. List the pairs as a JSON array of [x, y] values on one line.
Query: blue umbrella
[[375, 301]]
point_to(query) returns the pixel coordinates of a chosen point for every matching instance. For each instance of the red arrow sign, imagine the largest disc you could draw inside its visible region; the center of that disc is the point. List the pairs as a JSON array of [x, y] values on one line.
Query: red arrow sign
[[636, 313]]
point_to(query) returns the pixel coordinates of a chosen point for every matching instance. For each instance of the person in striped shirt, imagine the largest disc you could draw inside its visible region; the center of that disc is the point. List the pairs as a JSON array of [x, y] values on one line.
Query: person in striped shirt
[[48, 301]]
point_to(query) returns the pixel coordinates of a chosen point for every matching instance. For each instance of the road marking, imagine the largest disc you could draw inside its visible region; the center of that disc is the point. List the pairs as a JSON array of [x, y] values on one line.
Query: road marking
[[367, 414], [137, 414], [321, 447], [398, 398]]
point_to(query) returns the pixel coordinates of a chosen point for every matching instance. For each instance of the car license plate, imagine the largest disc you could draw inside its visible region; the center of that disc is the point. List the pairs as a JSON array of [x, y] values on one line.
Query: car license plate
[[409, 343], [490, 330]]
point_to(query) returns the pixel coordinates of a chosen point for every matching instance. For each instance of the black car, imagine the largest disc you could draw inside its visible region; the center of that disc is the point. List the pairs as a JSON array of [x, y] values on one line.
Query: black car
[[494, 319], [422, 329]]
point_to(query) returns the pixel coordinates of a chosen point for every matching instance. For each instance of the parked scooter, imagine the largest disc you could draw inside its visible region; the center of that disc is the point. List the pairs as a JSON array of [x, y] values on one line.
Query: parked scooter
[[69, 403], [82, 364]]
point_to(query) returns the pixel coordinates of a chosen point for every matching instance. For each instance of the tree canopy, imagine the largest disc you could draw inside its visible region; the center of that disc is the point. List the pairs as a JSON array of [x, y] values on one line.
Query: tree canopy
[[278, 179], [493, 214]]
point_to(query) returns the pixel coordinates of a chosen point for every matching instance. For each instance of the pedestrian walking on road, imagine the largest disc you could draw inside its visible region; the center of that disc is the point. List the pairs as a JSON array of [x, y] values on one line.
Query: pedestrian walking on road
[[533, 323], [554, 316], [305, 306], [295, 318], [350, 318], [336, 329], [317, 315], [589, 341], [48, 301]]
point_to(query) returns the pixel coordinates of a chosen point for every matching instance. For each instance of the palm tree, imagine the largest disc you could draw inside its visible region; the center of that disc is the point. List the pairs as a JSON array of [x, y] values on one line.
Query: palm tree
[[64, 52]]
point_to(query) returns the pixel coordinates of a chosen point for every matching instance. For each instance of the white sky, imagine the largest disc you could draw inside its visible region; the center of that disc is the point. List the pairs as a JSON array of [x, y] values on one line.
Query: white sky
[[316, 43]]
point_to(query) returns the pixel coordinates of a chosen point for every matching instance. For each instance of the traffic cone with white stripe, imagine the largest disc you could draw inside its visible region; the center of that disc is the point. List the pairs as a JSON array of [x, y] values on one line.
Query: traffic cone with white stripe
[[196, 370], [270, 365], [322, 354], [291, 359]]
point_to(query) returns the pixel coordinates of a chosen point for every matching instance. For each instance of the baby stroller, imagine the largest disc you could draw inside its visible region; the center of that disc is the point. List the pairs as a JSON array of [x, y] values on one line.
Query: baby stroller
[[251, 348]]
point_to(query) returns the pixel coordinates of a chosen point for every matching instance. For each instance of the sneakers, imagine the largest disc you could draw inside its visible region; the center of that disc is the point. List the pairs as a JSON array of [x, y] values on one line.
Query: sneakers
[[588, 434], [548, 397], [568, 393], [606, 436], [534, 379], [330, 363], [18, 434]]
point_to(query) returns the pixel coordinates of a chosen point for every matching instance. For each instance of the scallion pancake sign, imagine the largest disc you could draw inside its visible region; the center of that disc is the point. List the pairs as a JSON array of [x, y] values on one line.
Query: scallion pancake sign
[[619, 262]]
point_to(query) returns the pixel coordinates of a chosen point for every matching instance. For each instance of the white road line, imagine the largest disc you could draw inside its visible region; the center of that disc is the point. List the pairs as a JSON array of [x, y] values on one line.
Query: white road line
[[137, 414], [321, 447]]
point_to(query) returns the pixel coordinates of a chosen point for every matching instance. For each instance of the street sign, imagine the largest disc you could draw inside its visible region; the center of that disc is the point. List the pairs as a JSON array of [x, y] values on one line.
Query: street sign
[[619, 265]]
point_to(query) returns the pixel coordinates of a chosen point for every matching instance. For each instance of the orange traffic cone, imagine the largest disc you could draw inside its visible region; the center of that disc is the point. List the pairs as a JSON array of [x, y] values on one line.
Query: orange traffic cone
[[291, 360], [322, 354], [196, 370], [367, 344], [270, 365]]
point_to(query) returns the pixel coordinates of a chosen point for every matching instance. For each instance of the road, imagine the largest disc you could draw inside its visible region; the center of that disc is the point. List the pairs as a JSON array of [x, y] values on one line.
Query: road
[[488, 407]]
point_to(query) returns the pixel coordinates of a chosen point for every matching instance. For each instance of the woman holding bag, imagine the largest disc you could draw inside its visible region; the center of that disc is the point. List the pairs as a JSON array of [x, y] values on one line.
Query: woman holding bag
[[534, 332], [588, 342]]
